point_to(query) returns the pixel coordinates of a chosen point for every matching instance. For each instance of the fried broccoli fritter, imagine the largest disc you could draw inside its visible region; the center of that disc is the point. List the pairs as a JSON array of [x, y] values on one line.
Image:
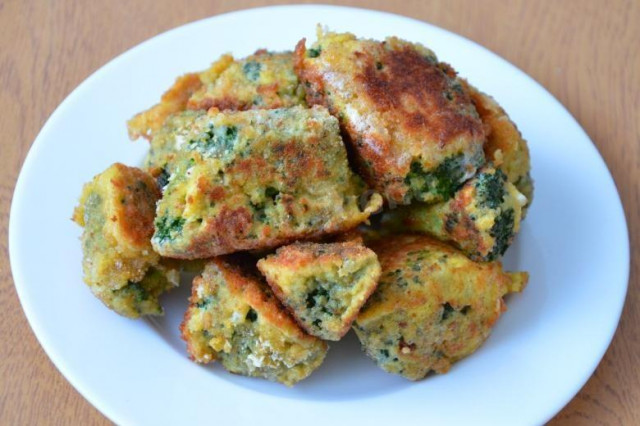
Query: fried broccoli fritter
[[504, 147], [233, 318], [433, 306], [323, 285], [481, 219], [413, 130], [258, 179], [116, 210], [264, 80]]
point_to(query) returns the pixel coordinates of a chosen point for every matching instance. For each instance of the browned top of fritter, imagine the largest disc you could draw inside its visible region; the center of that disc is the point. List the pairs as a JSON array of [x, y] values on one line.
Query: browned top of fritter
[[298, 255], [392, 250], [395, 102], [409, 90]]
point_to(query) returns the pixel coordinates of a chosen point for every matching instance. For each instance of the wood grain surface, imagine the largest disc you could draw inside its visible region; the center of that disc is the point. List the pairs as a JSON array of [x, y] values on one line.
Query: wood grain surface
[[587, 53]]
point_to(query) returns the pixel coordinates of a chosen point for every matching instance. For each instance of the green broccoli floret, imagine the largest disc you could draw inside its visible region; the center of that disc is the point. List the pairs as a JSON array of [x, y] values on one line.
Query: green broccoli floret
[[490, 189], [441, 182], [215, 141], [134, 290], [252, 315], [502, 231], [317, 292], [141, 298], [314, 53], [252, 70], [167, 228]]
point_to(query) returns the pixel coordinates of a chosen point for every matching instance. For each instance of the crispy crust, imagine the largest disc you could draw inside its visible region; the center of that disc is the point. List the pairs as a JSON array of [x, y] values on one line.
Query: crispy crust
[[395, 103], [298, 255], [136, 211], [145, 123]]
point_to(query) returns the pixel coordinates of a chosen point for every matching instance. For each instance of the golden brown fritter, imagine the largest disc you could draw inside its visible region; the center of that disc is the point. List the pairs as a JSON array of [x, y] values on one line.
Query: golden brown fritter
[[258, 179], [233, 318], [433, 306], [323, 285], [412, 128], [116, 210], [264, 80], [481, 219], [504, 146]]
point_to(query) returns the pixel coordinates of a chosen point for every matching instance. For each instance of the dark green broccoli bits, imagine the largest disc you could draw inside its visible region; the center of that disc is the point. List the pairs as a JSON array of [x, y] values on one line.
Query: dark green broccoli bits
[[167, 228], [215, 142], [441, 182]]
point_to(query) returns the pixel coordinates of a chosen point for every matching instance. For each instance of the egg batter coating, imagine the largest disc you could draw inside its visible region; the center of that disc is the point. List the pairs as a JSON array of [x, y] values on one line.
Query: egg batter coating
[[413, 130], [482, 219], [116, 210], [323, 285], [505, 147], [433, 305], [258, 179], [234, 318], [264, 80]]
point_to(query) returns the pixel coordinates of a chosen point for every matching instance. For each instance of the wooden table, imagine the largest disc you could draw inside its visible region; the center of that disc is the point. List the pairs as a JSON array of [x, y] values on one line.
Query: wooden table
[[585, 52]]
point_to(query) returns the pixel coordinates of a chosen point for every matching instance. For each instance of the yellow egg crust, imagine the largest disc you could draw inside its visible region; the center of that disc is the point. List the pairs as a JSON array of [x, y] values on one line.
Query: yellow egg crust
[[323, 285], [433, 305], [234, 318], [259, 179]]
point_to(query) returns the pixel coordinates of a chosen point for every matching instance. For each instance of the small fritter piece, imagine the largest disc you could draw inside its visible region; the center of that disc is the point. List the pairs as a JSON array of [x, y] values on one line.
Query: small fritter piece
[[504, 146], [412, 128], [174, 100], [258, 179], [323, 285], [264, 80], [482, 218], [433, 306], [234, 318], [116, 210]]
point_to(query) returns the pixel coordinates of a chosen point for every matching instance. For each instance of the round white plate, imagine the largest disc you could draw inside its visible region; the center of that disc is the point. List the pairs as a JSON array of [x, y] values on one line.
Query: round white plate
[[574, 243]]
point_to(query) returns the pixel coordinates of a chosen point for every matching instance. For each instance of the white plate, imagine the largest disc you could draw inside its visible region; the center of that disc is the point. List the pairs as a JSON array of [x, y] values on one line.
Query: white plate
[[574, 243]]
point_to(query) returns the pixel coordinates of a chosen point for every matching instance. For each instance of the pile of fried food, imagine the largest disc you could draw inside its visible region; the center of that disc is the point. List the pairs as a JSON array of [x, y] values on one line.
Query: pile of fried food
[[349, 184]]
